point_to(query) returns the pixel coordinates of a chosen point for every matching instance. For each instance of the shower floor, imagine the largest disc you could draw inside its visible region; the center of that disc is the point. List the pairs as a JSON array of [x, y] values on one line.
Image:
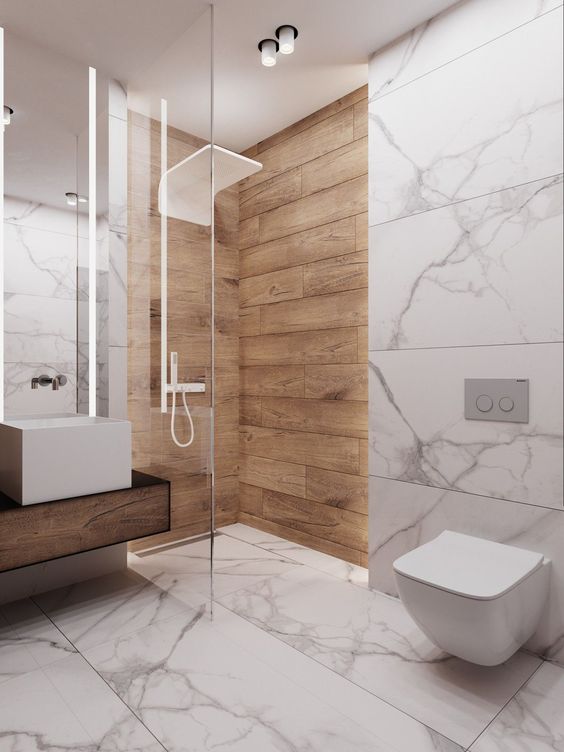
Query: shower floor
[[298, 656]]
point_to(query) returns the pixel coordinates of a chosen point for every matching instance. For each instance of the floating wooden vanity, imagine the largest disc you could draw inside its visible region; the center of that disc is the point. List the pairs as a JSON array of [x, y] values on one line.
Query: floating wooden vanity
[[41, 532]]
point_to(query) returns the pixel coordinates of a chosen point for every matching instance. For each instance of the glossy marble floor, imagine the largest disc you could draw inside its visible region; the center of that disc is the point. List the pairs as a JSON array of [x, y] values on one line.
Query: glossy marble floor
[[299, 657]]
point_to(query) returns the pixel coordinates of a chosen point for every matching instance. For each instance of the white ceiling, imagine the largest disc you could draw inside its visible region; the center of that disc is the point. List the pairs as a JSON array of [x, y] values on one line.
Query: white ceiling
[[161, 48]]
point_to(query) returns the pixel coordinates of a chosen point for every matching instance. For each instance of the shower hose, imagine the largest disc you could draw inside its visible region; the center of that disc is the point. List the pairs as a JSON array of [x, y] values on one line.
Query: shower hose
[[173, 419]]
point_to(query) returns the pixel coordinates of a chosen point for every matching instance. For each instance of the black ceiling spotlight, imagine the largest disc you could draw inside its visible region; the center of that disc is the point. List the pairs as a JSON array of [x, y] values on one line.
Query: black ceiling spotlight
[[286, 35], [268, 49]]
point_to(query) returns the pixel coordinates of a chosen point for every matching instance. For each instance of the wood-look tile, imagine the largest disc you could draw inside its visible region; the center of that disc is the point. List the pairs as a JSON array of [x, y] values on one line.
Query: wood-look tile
[[249, 321], [332, 239], [337, 274], [272, 474], [286, 284], [316, 117], [271, 193], [360, 110], [343, 200], [337, 489], [343, 309], [363, 344], [337, 166], [337, 382], [363, 449], [249, 410], [320, 520], [322, 137], [339, 418], [250, 499], [273, 381], [249, 232], [329, 346], [361, 225], [316, 449]]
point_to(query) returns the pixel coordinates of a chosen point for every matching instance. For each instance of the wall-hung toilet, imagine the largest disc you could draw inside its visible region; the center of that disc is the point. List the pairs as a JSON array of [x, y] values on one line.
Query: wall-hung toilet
[[474, 598]]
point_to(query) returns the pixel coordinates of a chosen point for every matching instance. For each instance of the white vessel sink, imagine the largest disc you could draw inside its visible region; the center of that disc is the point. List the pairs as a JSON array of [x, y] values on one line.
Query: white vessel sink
[[48, 457]]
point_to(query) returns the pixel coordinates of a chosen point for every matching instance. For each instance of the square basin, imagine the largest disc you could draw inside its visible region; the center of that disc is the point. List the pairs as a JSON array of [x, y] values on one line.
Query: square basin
[[49, 457]]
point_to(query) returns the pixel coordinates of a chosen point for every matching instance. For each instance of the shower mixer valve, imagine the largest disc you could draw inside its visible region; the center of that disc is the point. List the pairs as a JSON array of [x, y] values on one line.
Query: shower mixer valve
[[178, 388]]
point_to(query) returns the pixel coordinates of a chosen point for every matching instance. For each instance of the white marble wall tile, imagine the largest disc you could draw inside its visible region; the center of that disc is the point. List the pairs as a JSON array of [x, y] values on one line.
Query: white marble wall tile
[[117, 290], [369, 639], [452, 33], [477, 272], [117, 182], [196, 690], [418, 432], [21, 399], [403, 516], [39, 329], [38, 262], [533, 720], [117, 383], [63, 220], [496, 122]]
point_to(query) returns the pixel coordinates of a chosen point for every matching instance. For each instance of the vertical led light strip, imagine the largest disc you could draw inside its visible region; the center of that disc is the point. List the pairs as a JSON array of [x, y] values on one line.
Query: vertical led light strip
[[212, 241], [164, 252], [92, 262], [2, 228]]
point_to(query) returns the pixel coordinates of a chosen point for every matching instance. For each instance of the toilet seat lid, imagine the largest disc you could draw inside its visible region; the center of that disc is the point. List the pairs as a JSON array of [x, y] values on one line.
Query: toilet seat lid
[[468, 566]]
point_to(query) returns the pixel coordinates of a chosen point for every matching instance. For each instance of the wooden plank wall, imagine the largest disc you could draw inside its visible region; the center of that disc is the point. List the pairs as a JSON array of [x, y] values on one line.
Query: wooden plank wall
[[189, 285], [303, 265]]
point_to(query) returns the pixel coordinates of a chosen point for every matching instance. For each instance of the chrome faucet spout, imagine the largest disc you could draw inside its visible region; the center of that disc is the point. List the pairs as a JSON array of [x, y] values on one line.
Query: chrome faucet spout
[[56, 381]]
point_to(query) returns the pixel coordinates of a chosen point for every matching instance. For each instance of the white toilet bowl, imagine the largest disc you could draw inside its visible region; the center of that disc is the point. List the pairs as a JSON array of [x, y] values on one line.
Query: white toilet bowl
[[474, 598]]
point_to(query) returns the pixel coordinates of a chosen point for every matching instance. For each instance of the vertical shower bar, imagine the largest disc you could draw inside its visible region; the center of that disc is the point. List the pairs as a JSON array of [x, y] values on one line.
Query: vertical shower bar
[[212, 240], [92, 262], [164, 253], [2, 228]]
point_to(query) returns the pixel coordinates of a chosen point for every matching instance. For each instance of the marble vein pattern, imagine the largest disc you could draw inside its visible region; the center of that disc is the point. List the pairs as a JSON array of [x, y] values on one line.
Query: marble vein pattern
[[28, 640], [301, 554], [369, 639], [487, 271], [438, 41], [184, 571], [504, 131], [403, 516], [39, 329], [117, 290], [21, 400], [107, 607], [67, 706], [197, 690], [117, 184], [533, 721], [418, 432], [35, 216]]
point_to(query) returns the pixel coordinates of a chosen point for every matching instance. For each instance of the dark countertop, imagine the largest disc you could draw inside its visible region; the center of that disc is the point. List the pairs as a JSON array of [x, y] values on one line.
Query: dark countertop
[[138, 480]]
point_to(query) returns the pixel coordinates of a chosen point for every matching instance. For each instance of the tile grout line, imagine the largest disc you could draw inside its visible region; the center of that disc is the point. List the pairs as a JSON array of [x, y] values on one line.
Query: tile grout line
[[514, 187], [527, 680], [462, 347], [78, 652], [374, 99]]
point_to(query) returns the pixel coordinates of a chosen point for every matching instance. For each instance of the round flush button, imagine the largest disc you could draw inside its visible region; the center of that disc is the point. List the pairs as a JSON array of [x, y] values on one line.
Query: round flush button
[[484, 403], [506, 404]]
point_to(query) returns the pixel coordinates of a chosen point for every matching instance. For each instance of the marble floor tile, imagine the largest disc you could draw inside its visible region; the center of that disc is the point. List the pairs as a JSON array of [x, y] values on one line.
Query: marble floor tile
[[28, 640], [92, 612], [369, 639], [67, 706], [197, 690], [185, 570], [534, 719], [301, 554]]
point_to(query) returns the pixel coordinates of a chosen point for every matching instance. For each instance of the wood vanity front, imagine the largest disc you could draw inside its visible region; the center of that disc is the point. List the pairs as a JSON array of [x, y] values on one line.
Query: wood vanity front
[[41, 532]]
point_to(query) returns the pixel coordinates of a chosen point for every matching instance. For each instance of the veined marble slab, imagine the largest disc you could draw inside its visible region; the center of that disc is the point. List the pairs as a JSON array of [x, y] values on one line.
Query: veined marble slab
[[68, 706], [369, 639], [448, 35], [22, 400], [102, 609], [184, 571], [496, 122], [197, 690], [487, 271], [117, 184], [36, 216], [39, 329], [418, 432], [28, 640], [403, 516], [533, 720]]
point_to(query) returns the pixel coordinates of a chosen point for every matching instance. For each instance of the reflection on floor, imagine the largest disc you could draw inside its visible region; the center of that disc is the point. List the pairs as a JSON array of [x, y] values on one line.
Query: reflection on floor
[[299, 656]]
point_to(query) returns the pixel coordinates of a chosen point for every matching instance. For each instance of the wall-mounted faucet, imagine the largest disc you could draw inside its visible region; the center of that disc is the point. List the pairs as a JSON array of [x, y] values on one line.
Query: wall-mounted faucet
[[44, 380]]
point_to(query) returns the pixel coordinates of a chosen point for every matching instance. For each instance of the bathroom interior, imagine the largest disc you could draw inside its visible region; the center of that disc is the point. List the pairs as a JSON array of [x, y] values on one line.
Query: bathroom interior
[[281, 347]]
